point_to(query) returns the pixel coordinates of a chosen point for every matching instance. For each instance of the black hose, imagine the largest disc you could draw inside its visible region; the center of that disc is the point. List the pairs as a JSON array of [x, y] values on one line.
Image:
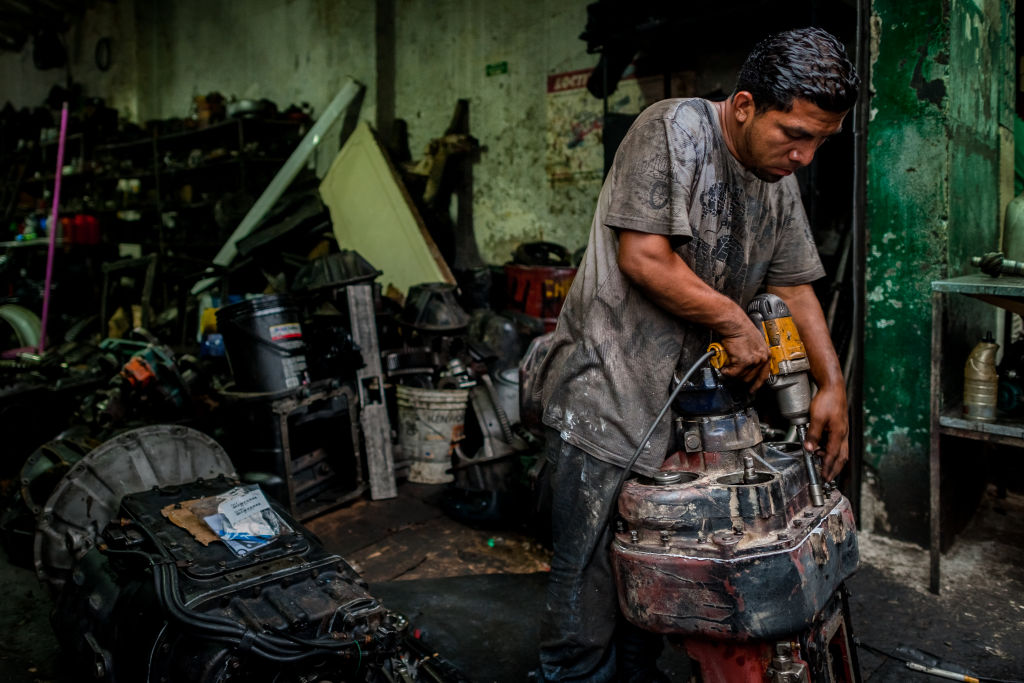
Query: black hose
[[607, 516], [223, 629]]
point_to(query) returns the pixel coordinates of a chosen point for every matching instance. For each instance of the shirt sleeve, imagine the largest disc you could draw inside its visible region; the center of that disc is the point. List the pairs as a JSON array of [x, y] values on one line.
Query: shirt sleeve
[[795, 259], [652, 178]]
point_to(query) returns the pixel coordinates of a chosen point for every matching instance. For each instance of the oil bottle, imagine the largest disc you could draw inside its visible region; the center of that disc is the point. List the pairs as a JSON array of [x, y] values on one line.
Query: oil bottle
[[981, 381]]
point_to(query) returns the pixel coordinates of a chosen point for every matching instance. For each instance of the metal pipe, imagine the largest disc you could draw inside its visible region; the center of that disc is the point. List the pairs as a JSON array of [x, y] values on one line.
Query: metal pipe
[[52, 226], [855, 379], [813, 481]]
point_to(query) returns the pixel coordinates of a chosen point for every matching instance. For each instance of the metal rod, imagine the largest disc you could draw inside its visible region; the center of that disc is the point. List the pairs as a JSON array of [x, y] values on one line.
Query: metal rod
[[941, 673], [813, 482], [855, 378], [52, 226]]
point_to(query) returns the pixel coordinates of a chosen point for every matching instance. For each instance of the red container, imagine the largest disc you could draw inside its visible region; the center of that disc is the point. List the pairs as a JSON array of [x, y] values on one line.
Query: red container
[[538, 290], [81, 229]]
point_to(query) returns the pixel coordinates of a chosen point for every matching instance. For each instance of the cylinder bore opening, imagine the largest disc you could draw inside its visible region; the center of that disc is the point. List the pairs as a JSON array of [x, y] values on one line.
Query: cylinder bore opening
[[669, 477], [743, 479]]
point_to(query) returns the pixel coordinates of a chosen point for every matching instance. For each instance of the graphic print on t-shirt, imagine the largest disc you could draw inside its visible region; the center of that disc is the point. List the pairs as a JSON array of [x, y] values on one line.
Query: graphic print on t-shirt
[[719, 256]]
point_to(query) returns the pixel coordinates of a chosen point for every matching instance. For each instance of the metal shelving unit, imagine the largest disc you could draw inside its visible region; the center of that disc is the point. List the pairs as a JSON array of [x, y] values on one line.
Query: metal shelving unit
[[1006, 292]]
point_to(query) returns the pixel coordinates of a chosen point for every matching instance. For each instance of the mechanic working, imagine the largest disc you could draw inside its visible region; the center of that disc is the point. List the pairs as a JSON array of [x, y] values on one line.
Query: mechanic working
[[699, 212]]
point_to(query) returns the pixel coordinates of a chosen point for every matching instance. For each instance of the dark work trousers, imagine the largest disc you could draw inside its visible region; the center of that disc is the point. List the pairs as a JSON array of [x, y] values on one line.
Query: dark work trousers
[[583, 635]]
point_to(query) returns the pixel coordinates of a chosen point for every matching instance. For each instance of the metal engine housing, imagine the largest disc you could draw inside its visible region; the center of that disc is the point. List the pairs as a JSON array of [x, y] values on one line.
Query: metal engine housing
[[725, 549]]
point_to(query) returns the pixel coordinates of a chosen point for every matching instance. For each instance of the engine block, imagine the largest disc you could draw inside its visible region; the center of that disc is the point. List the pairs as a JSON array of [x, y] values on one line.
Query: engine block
[[726, 544]]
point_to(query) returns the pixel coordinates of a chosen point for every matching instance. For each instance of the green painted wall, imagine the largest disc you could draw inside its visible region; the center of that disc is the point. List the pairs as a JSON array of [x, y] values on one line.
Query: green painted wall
[[935, 196]]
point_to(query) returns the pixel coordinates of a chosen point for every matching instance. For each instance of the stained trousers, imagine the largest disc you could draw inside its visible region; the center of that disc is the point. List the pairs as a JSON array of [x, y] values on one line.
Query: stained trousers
[[583, 634]]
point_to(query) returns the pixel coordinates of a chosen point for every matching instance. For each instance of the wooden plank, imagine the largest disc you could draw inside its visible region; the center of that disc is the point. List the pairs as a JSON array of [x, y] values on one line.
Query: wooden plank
[[373, 412], [372, 213]]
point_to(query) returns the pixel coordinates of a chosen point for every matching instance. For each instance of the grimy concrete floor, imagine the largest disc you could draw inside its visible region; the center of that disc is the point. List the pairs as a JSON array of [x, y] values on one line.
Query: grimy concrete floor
[[476, 594]]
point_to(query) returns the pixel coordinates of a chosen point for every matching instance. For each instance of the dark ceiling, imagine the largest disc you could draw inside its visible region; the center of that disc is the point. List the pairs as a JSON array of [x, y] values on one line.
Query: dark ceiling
[[22, 20]]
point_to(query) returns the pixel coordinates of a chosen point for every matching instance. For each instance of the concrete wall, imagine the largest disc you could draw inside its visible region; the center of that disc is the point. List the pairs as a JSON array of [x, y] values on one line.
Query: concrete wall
[[936, 188], [23, 85], [288, 52], [301, 51], [513, 200]]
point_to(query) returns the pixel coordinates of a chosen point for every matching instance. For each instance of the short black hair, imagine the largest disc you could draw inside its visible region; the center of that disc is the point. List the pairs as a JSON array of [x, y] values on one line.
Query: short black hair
[[806, 63]]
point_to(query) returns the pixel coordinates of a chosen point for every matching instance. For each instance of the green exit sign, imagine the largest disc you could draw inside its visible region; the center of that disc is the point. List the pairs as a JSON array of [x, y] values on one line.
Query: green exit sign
[[497, 68]]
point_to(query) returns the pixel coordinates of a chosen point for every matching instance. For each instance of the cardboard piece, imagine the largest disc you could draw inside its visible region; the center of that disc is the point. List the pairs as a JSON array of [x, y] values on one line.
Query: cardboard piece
[[182, 515], [372, 213]]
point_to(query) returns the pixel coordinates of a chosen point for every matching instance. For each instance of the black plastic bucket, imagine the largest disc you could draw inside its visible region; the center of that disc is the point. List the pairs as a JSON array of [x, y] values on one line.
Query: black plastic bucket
[[263, 341]]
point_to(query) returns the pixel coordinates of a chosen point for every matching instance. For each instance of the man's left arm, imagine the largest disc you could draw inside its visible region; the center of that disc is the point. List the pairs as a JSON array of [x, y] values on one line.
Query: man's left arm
[[828, 408]]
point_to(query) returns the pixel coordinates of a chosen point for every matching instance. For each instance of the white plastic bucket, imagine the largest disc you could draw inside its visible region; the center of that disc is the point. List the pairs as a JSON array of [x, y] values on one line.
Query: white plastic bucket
[[430, 421]]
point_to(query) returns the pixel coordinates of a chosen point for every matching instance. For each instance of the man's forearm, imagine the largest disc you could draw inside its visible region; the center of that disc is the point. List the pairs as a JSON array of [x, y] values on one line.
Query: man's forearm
[[650, 263]]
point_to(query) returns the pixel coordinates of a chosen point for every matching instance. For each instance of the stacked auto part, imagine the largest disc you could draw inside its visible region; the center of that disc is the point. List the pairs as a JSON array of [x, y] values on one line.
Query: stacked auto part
[[143, 595]]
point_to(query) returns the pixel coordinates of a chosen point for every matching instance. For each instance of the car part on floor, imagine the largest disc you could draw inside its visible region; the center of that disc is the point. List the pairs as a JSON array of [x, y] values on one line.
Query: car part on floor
[[25, 325], [38, 477], [151, 602], [150, 384], [89, 494]]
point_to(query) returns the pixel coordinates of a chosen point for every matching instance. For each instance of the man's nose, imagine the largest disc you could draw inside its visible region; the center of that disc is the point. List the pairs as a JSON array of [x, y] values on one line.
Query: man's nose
[[802, 154]]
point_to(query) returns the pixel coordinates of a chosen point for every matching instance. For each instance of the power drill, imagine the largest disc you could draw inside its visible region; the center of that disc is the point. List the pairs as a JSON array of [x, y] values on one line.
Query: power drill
[[789, 370]]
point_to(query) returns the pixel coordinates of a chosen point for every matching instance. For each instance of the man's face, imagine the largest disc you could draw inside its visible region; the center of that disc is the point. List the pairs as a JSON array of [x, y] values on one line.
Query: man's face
[[776, 143]]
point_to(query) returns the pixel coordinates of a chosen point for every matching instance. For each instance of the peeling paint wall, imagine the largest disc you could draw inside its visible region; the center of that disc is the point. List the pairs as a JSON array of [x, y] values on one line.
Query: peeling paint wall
[[302, 49], [934, 200], [513, 200]]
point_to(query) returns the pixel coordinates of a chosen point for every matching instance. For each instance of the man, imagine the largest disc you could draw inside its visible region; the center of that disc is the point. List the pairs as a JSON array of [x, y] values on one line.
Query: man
[[699, 212]]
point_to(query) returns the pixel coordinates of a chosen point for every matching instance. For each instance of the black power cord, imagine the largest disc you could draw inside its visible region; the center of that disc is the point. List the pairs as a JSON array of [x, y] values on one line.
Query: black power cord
[[627, 470]]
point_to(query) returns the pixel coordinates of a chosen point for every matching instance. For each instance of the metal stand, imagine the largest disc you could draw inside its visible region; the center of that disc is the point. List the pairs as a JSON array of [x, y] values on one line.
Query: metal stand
[[306, 438], [311, 477]]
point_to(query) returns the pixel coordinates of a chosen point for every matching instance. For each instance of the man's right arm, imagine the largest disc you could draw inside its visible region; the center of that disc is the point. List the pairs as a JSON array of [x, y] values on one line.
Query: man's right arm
[[650, 263]]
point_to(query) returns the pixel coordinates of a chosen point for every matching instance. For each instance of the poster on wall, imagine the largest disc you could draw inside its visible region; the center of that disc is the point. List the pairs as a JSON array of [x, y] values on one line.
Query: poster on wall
[[575, 141]]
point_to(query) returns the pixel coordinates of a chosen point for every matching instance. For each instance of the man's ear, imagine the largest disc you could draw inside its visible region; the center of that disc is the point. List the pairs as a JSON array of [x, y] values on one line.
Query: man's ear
[[743, 106]]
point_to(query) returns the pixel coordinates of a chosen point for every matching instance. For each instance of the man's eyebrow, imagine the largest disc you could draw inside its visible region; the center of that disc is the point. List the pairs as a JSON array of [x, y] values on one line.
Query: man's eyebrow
[[796, 131]]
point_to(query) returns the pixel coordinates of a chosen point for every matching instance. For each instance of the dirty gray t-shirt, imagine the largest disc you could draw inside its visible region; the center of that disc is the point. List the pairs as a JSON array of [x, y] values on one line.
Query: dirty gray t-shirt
[[610, 366]]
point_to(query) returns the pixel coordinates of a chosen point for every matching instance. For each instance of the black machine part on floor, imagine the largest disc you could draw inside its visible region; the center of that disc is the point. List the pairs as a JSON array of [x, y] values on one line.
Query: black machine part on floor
[[152, 603]]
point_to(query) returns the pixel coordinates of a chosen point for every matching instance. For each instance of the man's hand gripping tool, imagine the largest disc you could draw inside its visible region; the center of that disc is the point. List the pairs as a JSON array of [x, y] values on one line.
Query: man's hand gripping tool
[[789, 372]]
